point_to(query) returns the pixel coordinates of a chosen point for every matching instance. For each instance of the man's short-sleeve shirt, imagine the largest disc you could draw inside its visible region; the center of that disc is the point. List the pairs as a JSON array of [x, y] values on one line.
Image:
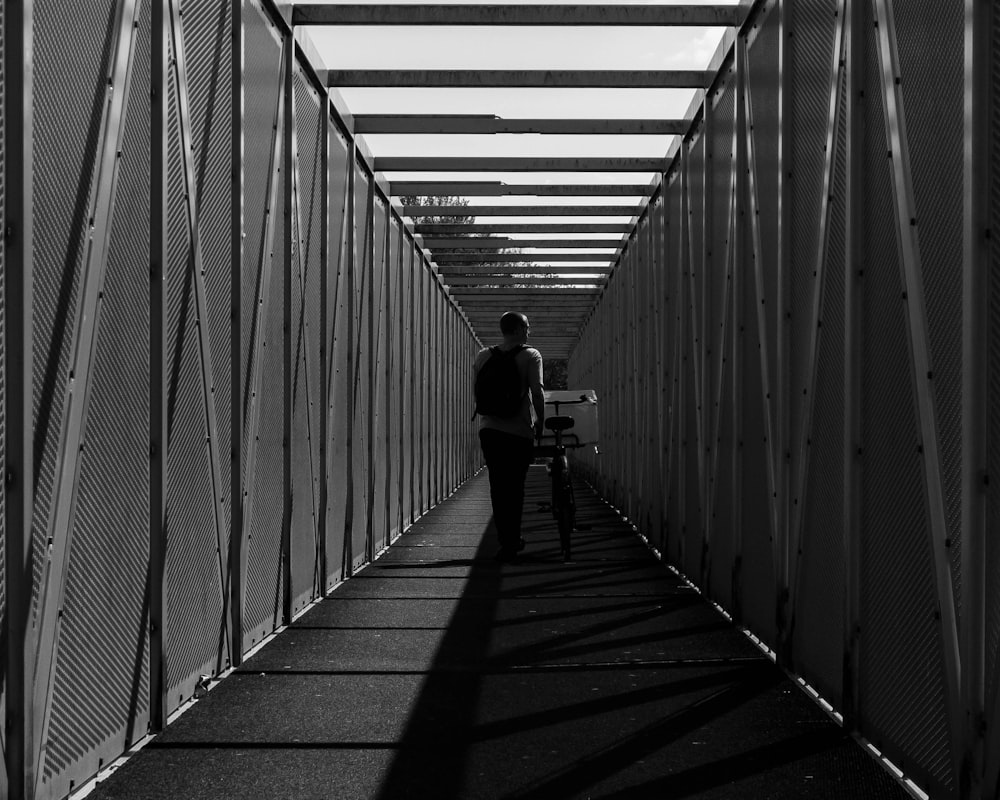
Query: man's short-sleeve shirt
[[529, 367]]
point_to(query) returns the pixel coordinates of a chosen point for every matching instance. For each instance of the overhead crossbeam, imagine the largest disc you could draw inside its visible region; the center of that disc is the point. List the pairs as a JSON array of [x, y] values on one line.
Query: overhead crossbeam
[[480, 243], [523, 227], [497, 14], [500, 189], [516, 164], [506, 281], [521, 258], [521, 78], [491, 124], [535, 294], [488, 272], [416, 212]]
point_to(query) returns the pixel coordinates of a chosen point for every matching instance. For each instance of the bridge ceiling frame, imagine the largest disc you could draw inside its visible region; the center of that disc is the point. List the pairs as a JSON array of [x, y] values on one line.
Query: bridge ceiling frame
[[527, 270]]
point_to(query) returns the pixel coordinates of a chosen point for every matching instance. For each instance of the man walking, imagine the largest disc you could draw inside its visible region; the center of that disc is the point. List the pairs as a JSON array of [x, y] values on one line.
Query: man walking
[[511, 404]]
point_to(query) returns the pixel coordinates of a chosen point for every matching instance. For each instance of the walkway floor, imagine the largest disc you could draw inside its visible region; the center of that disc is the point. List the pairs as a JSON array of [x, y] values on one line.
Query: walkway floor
[[438, 673]]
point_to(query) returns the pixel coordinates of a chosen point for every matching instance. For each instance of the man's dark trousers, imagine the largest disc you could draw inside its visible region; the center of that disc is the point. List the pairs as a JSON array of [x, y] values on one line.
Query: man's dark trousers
[[507, 459]]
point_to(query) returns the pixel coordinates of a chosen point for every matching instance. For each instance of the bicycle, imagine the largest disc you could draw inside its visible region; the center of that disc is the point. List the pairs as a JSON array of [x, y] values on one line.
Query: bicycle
[[563, 505]]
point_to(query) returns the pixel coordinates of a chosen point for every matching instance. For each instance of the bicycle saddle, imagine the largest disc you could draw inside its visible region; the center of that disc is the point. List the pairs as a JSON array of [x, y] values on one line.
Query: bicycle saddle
[[559, 423]]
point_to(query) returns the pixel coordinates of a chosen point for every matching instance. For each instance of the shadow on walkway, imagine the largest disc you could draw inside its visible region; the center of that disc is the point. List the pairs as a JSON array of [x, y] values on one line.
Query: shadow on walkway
[[438, 673]]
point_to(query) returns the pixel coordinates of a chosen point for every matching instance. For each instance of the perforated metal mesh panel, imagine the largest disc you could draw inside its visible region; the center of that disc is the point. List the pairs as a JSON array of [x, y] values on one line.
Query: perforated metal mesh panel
[[207, 36], [812, 65], [362, 357], [719, 445], [65, 140], [95, 719], [260, 103], [407, 393], [821, 578], [262, 295], [932, 91], [265, 583], [379, 425], [396, 389], [100, 695], [901, 682], [306, 399], [3, 341], [993, 409], [675, 345], [762, 89], [340, 389], [758, 559], [193, 570]]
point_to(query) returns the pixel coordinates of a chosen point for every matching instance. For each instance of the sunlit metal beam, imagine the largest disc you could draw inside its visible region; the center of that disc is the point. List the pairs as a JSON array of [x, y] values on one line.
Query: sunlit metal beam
[[500, 189], [516, 164], [520, 211], [520, 78], [490, 124], [516, 258], [497, 14], [437, 244], [523, 227]]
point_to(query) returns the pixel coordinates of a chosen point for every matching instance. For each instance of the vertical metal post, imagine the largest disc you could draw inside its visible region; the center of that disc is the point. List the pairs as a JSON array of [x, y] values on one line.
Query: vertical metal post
[[685, 353], [738, 309], [18, 209], [976, 434], [410, 389], [418, 341], [853, 338], [158, 255], [372, 348], [390, 363], [324, 318], [287, 367], [350, 304], [779, 444], [237, 552], [438, 388], [706, 441]]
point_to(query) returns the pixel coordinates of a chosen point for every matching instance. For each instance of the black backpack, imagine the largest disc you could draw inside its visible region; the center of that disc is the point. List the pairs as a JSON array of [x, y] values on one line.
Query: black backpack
[[498, 384]]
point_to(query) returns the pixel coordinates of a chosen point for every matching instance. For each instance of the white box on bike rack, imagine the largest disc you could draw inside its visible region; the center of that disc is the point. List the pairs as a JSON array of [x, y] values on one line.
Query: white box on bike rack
[[581, 405]]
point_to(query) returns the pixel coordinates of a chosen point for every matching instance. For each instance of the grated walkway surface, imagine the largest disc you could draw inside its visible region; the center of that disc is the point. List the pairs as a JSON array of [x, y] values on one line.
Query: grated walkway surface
[[438, 673]]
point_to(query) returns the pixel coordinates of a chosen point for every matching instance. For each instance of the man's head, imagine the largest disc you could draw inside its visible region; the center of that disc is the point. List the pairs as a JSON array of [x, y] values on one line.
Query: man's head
[[514, 325]]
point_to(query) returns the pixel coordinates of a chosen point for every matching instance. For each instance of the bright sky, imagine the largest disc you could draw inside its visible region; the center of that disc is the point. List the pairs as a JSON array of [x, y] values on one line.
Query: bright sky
[[523, 48]]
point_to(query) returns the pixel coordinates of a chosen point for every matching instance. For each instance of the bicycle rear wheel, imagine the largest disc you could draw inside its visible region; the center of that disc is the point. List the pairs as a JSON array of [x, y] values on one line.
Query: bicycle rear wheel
[[565, 510]]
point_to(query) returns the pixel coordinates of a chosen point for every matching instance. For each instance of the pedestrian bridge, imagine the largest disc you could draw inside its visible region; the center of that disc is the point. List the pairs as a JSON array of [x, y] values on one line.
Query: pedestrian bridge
[[245, 540]]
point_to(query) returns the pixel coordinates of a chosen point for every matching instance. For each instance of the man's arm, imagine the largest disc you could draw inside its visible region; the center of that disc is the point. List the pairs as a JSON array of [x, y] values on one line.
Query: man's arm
[[537, 391]]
